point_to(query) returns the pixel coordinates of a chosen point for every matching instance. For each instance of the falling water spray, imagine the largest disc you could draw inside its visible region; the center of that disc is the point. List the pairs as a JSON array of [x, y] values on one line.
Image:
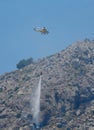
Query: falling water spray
[[35, 103]]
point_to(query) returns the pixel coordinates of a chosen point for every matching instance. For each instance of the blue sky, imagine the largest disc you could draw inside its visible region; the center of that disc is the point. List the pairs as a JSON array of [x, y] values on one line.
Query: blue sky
[[67, 21]]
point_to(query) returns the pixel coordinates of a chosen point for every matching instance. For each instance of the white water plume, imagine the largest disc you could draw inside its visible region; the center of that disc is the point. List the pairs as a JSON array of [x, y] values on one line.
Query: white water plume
[[35, 103]]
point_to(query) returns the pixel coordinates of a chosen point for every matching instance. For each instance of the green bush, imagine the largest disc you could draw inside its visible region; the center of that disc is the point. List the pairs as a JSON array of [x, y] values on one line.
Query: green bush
[[24, 63]]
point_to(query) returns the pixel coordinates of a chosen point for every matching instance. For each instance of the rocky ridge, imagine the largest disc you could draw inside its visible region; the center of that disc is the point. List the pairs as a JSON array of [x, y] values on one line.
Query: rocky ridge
[[67, 95]]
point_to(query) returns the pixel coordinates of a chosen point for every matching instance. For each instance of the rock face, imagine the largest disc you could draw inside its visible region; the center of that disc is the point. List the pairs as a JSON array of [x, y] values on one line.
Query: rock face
[[67, 94]]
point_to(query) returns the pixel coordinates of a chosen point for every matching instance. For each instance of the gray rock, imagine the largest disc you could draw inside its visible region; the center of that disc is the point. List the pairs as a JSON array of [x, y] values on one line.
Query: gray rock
[[67, 93]]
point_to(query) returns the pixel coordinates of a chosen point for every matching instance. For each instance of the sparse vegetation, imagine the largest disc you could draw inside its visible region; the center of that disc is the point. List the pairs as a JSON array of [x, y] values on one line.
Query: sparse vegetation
[[67, 94], [16, 88]]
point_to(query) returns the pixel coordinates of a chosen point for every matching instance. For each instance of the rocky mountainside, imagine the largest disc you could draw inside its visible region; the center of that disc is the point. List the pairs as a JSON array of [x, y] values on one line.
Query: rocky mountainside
[[67, 93]]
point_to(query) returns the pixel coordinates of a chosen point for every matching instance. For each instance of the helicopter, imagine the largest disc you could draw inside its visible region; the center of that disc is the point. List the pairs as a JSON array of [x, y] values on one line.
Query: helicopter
[[42, 30]]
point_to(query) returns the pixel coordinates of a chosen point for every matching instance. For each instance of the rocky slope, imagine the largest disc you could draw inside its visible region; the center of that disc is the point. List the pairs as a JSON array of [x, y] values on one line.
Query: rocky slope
[[67, 94]]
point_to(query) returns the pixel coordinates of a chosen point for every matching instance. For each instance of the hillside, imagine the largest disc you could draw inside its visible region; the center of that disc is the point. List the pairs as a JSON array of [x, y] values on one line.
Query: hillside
[[67, 94]]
